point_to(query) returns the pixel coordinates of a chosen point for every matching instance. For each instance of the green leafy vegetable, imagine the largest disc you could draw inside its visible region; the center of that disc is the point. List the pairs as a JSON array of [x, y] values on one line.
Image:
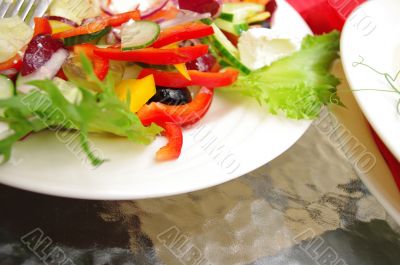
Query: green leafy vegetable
[[47, 108], [298, 85]]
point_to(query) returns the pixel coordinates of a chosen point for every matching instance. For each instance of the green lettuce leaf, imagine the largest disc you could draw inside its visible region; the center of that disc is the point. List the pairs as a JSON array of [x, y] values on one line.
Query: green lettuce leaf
[[47, 108], [297, 85]]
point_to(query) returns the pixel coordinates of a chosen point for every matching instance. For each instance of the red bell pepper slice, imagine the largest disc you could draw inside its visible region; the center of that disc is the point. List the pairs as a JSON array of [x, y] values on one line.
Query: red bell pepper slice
[[13, 63], [42, 26], [62, 75], [154, 56], [167, 13], [232, 38], [183, 115], [119, 19], [192, 30], [100, 64], [173, 149], [99, 24], [177, 80]]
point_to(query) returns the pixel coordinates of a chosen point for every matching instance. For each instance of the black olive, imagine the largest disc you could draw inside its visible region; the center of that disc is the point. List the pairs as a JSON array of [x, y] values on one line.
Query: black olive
[[266, 24], [169, 96]]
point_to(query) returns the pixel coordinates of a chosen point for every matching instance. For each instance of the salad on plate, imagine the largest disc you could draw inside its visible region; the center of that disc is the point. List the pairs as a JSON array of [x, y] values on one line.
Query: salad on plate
[[143, 69]]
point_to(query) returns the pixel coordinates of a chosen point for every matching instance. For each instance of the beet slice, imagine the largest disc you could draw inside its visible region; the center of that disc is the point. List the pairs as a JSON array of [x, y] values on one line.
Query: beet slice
[[39, 51], [202, 6]]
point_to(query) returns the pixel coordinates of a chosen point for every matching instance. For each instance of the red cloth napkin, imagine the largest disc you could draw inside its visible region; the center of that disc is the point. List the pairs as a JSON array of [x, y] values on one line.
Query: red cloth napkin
[[392, 162], [324, 16]]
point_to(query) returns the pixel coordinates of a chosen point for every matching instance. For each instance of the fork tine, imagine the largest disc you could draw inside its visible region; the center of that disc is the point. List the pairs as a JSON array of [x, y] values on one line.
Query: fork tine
[[27, 9], [4, 6], [40, 10], [17, 8]]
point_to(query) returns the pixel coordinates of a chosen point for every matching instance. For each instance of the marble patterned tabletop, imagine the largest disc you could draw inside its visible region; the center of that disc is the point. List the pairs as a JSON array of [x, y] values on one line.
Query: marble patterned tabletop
[[307, 207], [286, 212]]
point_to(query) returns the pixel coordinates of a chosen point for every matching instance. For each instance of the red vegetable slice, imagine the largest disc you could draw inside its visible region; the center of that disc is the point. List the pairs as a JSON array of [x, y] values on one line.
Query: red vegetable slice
[[177, 80], [202, 6], [42, 26], [183, 115], [13, 63], [100, 65], [154, 56], [271, 6], [99, 24], [39, 51], [193, 30], [173, 149], [63, 20], [165, 14]]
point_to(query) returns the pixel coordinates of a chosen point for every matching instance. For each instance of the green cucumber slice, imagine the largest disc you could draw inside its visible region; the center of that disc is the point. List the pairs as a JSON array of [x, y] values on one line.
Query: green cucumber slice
[[139, 34], [239, 12], [227, 16], [226, 48], [206, 21], [7, 88], [235, 29], [86, 38]]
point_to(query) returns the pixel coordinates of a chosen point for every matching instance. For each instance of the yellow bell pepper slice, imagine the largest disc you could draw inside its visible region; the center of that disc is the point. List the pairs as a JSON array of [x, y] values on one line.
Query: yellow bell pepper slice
[[183, 70], [139, 91], [180, 67], [58, 26]]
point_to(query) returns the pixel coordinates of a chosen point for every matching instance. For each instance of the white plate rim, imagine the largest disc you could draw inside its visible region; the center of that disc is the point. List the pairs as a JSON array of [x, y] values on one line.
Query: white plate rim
[[391, 207]]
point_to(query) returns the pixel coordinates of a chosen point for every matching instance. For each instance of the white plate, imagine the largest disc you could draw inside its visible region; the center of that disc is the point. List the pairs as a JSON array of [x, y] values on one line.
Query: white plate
[[373, 33], [236, 137]]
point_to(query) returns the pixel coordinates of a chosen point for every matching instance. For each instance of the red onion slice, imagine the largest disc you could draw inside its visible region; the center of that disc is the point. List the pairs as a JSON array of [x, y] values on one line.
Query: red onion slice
[[157, 6], [63, 20], [184, 16], [87, 21], [48, 71], [40, 50], [154, 7]]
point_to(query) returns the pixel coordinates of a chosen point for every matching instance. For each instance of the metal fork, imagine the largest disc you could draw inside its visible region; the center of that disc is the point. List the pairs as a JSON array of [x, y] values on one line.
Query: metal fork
[[25, 9]]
